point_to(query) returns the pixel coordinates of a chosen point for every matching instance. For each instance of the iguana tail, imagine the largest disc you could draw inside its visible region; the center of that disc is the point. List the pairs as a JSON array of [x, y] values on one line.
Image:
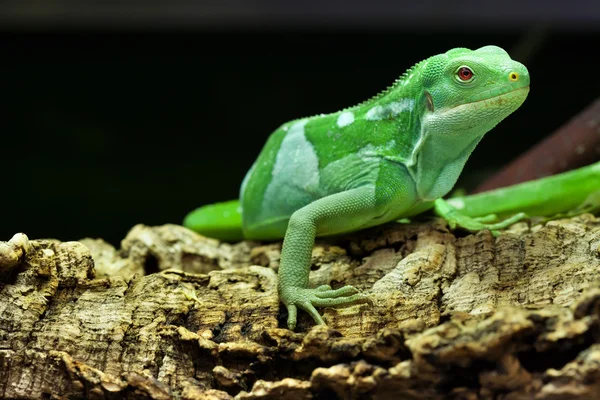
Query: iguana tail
[[221, 221]]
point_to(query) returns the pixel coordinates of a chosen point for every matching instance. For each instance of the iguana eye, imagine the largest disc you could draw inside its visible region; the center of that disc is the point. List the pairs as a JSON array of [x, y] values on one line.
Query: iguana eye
[[464, 74]]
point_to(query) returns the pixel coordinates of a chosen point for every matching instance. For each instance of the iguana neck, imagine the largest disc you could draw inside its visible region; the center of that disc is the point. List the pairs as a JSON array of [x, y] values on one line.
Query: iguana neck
[[440, 158]]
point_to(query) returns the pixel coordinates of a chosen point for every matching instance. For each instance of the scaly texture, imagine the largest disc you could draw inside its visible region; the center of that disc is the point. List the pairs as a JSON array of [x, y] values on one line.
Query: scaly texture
[[383, 159]]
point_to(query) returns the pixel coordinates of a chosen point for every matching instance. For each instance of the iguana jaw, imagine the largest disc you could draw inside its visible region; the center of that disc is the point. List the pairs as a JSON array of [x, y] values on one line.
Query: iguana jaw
[[473, 119], [511, 99]]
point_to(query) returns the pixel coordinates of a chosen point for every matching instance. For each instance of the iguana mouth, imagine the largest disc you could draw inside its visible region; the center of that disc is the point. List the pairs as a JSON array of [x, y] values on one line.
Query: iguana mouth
[[495, 100], [495, 93]]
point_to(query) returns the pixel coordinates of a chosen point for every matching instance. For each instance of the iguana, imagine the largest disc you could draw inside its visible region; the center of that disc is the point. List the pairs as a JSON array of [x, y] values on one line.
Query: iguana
[[392, 156]]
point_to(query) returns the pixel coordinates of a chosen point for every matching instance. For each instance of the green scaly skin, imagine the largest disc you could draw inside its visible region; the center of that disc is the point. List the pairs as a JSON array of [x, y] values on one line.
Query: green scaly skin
[[563, 195], [387, 158]]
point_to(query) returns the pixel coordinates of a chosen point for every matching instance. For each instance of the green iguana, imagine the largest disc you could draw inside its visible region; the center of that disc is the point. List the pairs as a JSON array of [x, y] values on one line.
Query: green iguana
[[390, 157]]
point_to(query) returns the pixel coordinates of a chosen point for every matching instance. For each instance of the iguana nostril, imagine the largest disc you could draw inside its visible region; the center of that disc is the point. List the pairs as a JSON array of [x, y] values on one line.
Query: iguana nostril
[[513, 77]]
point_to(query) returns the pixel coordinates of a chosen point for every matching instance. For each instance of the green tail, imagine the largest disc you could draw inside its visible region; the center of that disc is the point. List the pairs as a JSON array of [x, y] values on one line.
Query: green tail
[[221, 221]]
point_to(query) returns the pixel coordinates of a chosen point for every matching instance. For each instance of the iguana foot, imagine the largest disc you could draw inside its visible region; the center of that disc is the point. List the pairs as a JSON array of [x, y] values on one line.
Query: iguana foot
[[322, 296], [455, 218]]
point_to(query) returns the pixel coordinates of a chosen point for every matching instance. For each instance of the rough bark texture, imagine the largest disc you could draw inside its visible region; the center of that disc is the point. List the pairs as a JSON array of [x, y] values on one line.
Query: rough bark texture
[[175, 315]]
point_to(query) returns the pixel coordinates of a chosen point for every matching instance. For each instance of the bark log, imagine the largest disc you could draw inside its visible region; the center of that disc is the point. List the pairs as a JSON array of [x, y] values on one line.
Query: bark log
[[172, 314]]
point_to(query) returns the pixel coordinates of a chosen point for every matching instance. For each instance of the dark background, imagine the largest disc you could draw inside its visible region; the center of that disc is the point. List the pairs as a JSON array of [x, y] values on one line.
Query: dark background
[[114, 115]]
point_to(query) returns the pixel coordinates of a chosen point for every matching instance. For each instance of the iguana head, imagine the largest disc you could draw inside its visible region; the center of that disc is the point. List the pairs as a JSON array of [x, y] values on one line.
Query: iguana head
[[471, 90]]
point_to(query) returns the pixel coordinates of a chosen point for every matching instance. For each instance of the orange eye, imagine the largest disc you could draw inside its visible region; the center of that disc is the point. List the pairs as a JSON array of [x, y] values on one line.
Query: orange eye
[[464, 73]]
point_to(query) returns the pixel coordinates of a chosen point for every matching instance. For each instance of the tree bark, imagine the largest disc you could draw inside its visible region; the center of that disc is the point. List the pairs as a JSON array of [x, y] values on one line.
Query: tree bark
[[175, 315]]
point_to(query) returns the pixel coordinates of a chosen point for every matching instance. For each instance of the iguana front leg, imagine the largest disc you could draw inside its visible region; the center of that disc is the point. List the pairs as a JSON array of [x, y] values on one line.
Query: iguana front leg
[[341, 212], [566, 194], [456, 218]]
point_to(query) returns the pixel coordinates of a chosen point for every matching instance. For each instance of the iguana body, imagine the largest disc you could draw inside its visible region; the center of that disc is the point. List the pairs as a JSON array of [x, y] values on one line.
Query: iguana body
[[386, 158]]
